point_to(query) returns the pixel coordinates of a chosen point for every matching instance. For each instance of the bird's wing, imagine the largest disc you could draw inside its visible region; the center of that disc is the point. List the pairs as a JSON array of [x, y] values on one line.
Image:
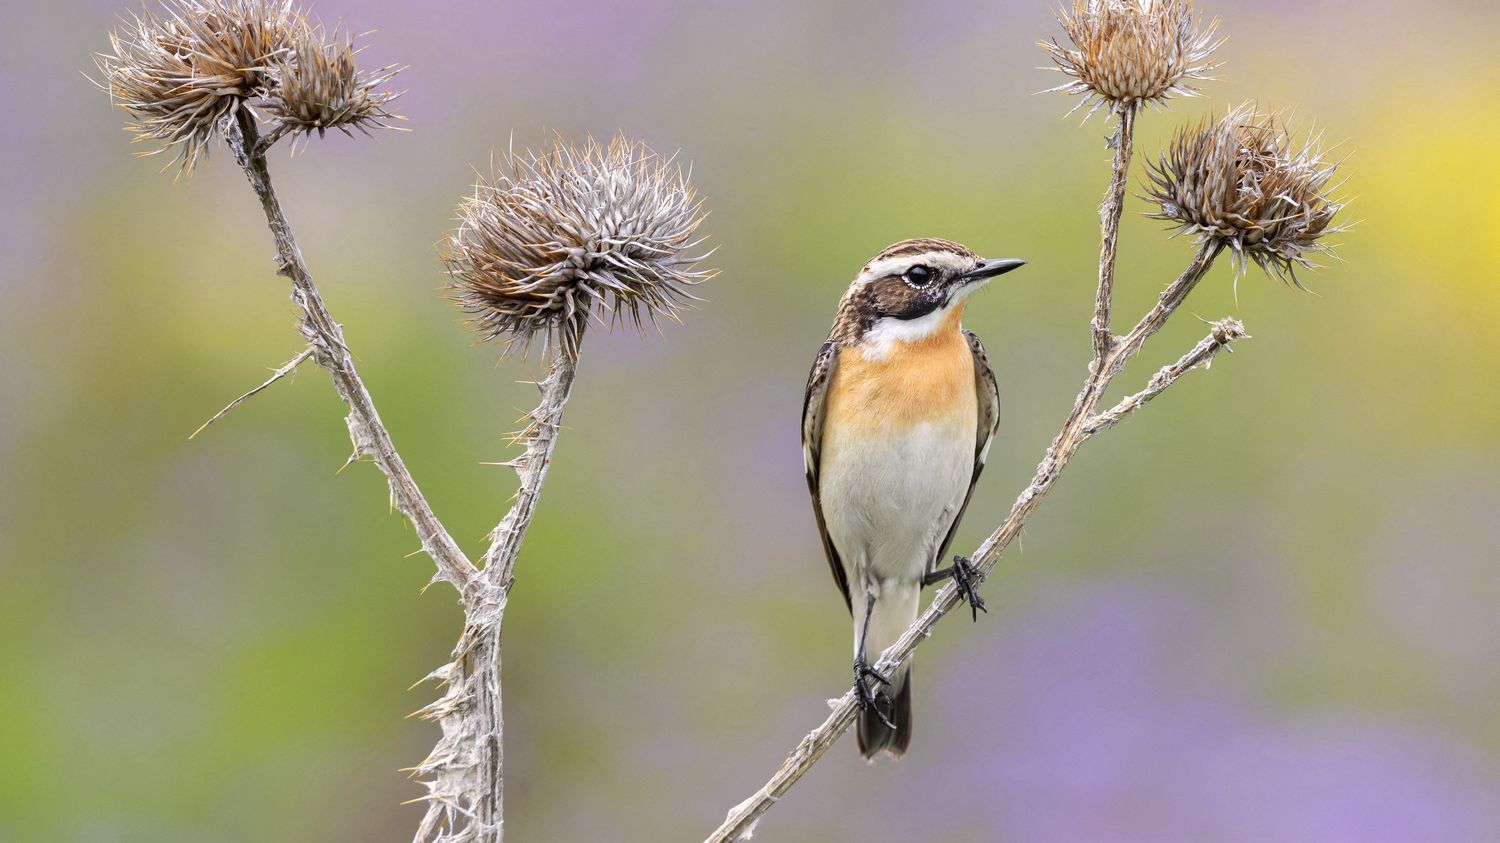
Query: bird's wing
[[813, 407], [989, 421]]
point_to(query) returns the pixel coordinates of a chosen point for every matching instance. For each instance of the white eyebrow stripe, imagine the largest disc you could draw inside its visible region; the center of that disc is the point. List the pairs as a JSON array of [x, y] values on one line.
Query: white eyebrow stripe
[[889, 266]]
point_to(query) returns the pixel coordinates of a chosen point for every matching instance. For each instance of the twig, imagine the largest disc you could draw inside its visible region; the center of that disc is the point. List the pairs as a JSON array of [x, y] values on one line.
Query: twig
[[291, 365], [1167, 303], [1224, 332], [1075, 431], [326, 338], [1109, 225]]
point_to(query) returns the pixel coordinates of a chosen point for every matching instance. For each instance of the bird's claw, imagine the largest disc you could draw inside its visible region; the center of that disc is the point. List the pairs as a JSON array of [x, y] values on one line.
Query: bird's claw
[[866, 695], [966, 578]]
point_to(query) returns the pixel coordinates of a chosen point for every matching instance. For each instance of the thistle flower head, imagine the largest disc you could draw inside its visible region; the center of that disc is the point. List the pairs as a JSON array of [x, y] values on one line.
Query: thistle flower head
[[319, 87], [1242, 180], [182, 72], [572, 233], [1128, 52]]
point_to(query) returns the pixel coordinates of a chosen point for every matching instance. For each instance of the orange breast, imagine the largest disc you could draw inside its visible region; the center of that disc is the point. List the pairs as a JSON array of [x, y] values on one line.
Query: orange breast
[[930, 380]]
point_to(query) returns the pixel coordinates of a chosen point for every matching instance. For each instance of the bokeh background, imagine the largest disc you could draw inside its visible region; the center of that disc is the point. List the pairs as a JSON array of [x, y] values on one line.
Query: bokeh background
[[1263, 610]]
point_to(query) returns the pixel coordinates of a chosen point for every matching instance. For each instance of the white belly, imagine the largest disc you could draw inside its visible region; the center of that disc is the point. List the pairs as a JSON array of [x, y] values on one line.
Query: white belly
[[889, 501]]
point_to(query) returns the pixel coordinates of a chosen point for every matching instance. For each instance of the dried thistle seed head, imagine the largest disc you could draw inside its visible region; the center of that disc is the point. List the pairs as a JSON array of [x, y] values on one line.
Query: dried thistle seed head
[[319, 87], [180, 73], [1129, 52], [1242, 180], [557, 237]]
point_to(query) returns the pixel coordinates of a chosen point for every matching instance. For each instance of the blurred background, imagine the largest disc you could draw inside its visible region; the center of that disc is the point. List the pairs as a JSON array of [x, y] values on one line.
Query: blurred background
[[1262, 610]]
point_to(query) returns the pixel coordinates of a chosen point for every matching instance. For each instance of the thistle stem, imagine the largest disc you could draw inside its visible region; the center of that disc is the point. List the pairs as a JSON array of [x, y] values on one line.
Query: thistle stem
[[326, 338], [540, 438], [1224, 332], [1109, 225], [478, 655]]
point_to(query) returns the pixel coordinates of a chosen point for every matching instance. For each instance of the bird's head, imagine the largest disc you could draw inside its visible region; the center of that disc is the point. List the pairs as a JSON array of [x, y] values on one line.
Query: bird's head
[[913, 288]]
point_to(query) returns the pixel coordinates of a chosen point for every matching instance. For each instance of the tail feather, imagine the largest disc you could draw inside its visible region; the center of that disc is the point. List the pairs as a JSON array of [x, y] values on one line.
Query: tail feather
[[871, 733]]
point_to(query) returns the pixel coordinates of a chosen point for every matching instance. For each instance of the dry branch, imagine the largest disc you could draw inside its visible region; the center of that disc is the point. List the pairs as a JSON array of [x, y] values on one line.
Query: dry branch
[[1224, 332]]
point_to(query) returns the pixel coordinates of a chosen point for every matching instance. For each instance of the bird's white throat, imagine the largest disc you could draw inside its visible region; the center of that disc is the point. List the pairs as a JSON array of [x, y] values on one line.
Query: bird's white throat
[[887, 331]]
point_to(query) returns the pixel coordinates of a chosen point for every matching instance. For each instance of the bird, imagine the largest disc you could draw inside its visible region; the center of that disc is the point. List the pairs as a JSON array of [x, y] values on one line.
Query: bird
[[900, 412]]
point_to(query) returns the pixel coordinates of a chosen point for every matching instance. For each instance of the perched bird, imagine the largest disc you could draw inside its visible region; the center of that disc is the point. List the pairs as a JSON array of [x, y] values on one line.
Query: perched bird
[[900, 412]]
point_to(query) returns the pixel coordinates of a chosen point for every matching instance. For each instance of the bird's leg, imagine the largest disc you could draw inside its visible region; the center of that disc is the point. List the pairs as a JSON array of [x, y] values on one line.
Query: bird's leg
[[966, 579], [863, 693]]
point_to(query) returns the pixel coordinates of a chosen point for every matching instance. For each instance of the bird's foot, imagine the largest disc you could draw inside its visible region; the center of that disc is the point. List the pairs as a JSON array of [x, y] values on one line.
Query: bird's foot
[[867, 694], [966, 578]]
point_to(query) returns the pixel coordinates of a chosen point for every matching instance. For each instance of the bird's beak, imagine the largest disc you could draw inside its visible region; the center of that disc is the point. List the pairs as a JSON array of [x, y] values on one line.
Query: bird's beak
[[990, 268]]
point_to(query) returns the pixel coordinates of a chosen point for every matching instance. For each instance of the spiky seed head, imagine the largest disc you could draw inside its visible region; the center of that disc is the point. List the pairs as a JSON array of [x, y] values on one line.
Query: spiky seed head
[[1242, 180], [319, 87], [1128, 52], [180, 72], [557, 237]]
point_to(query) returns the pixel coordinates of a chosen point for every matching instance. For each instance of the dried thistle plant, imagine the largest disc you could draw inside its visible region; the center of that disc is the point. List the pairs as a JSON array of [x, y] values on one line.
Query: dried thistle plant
[[182, 72], [558, 237], [1129, 52], [319, 87], [1244, 181]]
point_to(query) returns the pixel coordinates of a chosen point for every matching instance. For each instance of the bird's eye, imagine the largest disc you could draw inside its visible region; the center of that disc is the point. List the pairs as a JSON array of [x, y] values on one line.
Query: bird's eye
[[918, 276]]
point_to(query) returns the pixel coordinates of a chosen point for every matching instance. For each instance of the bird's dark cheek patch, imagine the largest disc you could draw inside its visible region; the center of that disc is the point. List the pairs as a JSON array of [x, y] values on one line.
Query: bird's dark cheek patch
[[919, 308], [898, 299]]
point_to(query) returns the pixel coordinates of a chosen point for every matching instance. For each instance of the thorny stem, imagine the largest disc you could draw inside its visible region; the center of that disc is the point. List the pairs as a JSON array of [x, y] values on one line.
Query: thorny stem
[[472, 749], [368, 434], [540, 438], [1081, 425], [463, 773], [1109, 225]]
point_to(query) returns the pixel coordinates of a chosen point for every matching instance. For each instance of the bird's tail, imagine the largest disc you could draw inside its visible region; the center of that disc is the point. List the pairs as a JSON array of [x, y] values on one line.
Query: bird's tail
[[892, 613], [872, 734]]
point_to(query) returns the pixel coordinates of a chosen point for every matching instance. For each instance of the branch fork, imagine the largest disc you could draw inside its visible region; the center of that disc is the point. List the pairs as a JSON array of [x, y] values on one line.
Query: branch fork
[[463, 773]]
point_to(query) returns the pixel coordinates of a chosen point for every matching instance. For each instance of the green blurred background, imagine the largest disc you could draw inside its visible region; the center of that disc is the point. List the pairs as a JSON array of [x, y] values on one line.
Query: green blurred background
[[1263, 610]]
